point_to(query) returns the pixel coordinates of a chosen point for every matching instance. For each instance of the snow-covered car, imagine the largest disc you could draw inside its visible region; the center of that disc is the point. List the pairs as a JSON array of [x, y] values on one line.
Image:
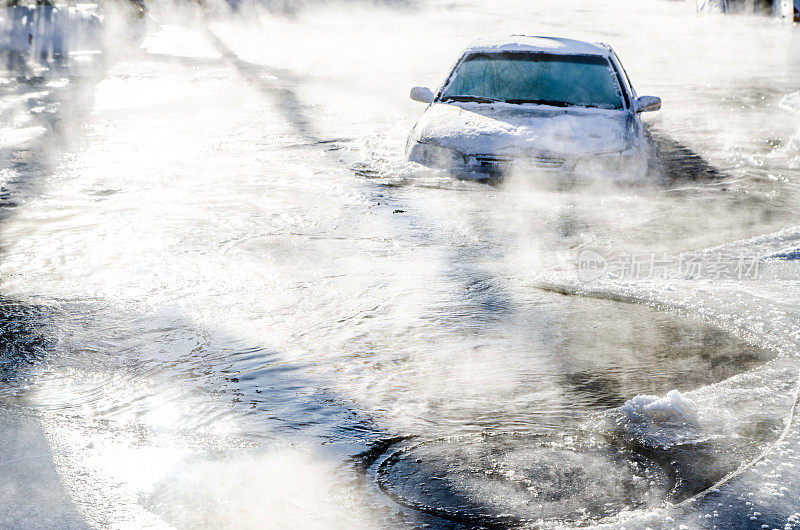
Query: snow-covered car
[[534, 104]]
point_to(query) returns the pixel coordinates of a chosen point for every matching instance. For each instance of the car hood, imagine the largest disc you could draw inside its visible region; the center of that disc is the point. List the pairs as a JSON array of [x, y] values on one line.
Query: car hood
[[506, 129]]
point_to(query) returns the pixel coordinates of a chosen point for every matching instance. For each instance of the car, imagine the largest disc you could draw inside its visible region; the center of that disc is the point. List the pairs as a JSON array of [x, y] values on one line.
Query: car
[[534, 104]]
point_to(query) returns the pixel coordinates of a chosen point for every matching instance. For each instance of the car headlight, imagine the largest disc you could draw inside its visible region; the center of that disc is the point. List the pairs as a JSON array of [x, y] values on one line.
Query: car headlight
[[599, 164], [435, 156]]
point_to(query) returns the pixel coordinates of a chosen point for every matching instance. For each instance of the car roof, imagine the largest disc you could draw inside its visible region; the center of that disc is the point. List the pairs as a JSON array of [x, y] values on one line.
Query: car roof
[[527, 43]]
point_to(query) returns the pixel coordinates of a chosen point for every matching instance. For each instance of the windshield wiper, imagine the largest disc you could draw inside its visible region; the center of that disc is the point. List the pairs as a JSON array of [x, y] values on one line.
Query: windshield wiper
[[471, 99], [549, 102]]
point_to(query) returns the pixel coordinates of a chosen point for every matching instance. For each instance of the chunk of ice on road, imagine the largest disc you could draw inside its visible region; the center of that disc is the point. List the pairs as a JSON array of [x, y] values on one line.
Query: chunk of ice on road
[[660, 421], [674, 408]]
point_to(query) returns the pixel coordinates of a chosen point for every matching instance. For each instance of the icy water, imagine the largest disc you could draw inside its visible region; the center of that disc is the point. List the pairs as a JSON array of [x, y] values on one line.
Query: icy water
[[227, 302]]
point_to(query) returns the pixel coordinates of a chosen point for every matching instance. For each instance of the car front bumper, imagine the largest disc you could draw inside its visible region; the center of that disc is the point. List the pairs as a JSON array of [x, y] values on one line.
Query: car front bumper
[[614, 165]]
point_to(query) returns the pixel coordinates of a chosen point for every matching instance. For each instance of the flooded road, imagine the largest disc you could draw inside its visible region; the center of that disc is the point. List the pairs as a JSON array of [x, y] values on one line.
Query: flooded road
[[228, 302]]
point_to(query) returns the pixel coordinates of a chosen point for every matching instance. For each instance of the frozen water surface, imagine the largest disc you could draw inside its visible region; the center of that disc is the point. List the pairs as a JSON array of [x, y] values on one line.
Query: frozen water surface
[[227, 302]]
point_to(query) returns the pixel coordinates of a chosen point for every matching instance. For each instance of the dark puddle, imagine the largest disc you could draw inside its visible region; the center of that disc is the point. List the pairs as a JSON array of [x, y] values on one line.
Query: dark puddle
[[568, 464], [510, 479], [24, 342]]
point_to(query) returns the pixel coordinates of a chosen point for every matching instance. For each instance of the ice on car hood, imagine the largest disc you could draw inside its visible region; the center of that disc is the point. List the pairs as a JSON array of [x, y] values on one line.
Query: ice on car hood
[[504, 128]]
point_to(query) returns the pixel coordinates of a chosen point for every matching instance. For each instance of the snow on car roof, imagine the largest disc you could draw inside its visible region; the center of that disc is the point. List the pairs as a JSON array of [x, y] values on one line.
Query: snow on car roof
[[525, 43]]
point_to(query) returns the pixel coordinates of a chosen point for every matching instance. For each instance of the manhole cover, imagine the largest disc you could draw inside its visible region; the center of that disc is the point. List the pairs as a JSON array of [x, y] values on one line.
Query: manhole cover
[[516, 478]]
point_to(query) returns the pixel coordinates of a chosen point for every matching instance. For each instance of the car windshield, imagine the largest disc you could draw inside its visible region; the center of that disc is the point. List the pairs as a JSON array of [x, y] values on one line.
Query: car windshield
[[525, 77]]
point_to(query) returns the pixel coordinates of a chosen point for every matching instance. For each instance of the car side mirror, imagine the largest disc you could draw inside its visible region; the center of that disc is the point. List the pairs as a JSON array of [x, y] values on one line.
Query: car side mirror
[[421, 94], [647, 104]]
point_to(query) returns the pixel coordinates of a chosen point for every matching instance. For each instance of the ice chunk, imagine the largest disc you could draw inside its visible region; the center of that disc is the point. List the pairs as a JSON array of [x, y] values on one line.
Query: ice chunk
[[660, 422], [674, 408]]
